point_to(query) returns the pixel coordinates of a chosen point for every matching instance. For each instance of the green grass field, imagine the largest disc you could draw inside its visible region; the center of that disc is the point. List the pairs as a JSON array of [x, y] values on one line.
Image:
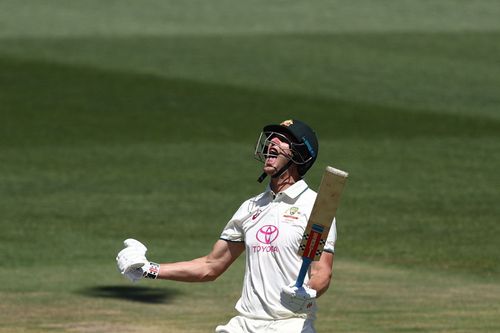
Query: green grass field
[[138, 119]]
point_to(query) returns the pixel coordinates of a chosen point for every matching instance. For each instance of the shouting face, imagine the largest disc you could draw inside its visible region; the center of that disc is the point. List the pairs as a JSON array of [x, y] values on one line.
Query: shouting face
[[277, 155]]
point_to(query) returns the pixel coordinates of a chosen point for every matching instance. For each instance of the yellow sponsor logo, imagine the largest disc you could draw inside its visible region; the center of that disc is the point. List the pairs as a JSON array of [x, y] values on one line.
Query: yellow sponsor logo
[[287, 123]]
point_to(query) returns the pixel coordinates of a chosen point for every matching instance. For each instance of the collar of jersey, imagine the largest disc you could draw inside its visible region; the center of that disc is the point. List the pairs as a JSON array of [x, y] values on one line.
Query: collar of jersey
[[293, 191]]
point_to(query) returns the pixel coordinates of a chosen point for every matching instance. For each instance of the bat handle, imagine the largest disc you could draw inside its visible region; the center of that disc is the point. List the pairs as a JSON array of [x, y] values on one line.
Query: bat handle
[[306, 262]]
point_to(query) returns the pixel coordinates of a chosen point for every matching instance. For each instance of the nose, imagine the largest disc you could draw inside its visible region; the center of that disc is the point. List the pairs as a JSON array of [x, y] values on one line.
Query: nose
[[276, 140]]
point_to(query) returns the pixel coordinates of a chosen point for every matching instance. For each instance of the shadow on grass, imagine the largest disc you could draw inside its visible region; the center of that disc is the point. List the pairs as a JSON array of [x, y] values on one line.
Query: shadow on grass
[[131, 293]]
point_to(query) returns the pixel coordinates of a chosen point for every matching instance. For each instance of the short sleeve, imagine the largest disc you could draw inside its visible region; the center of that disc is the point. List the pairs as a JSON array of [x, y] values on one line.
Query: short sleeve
[[233, 231], [332, 238]]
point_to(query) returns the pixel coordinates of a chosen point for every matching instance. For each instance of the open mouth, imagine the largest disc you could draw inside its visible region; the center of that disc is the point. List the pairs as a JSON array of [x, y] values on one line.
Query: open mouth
[[272, 153]]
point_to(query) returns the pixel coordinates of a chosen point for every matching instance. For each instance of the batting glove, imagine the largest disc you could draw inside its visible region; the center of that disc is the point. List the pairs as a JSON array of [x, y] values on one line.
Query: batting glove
[[298, 300], [132, 262]]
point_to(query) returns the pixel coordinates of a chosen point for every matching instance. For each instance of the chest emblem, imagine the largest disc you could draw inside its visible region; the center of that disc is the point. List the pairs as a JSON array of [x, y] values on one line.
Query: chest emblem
[[292, 213], [267, 234]]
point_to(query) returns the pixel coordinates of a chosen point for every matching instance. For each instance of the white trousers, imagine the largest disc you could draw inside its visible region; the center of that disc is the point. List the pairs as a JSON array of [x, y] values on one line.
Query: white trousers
[[240, 324]]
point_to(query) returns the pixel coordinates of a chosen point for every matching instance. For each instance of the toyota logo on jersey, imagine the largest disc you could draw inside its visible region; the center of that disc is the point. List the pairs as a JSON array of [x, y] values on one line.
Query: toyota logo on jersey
[[266, 235]]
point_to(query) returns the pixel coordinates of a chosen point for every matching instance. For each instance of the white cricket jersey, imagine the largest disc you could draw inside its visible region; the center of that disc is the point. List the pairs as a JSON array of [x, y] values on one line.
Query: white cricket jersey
[[271, 226]]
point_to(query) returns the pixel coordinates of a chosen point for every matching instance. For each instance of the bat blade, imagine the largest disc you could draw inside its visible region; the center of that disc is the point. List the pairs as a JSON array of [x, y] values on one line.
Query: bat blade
[[320, 221]]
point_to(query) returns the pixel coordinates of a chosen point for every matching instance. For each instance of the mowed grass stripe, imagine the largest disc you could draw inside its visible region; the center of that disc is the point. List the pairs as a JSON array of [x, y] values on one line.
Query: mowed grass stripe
[[363, 298], [46, 103], [438, 72], [171, 17]]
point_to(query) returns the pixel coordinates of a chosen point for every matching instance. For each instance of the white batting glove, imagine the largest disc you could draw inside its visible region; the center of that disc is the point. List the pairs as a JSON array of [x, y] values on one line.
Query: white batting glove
[[132, 262], [298, 300]]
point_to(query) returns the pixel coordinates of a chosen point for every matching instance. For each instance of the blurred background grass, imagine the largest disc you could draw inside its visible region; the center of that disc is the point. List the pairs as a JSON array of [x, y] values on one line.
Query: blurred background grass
[[138, 119]]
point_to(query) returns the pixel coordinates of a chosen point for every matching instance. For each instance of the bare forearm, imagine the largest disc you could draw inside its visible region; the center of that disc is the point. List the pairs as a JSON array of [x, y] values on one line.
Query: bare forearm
[[321, 274], [320, 283], [203, 269], [197, 270]]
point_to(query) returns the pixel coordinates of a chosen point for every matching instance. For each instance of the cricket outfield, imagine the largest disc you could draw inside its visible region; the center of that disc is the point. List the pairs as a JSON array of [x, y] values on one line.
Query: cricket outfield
[[138, 119]]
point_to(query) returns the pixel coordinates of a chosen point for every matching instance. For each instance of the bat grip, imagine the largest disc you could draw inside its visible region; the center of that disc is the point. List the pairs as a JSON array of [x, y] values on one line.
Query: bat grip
[[306, 262]]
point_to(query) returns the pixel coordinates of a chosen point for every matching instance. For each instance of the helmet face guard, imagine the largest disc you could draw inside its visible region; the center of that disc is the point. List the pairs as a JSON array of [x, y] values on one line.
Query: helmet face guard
[[263, 148]]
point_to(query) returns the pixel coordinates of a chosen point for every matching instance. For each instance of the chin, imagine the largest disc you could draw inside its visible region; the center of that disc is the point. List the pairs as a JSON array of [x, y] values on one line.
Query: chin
[[269, 170]]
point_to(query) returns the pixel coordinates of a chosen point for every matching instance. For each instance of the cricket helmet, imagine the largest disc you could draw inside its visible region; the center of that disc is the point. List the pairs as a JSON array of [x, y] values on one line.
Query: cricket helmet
[[303, 142]]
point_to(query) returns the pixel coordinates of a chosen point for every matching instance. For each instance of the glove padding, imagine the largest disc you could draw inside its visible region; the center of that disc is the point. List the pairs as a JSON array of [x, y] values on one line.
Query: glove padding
[[131, 261], [298, 300]]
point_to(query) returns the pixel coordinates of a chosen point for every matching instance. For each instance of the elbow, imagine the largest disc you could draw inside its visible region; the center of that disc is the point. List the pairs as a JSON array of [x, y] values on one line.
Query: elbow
[[209, 276]]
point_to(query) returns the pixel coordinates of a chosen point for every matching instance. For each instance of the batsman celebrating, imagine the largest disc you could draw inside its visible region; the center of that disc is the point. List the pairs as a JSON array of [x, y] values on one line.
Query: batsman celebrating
[[269, 228]]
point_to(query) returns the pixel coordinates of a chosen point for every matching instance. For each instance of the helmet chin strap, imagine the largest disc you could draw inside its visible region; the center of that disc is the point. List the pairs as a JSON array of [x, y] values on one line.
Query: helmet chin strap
[[277, 174]]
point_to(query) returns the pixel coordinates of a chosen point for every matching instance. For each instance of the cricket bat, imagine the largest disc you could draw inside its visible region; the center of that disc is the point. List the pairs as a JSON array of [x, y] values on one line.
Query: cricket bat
[[320, 221]]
